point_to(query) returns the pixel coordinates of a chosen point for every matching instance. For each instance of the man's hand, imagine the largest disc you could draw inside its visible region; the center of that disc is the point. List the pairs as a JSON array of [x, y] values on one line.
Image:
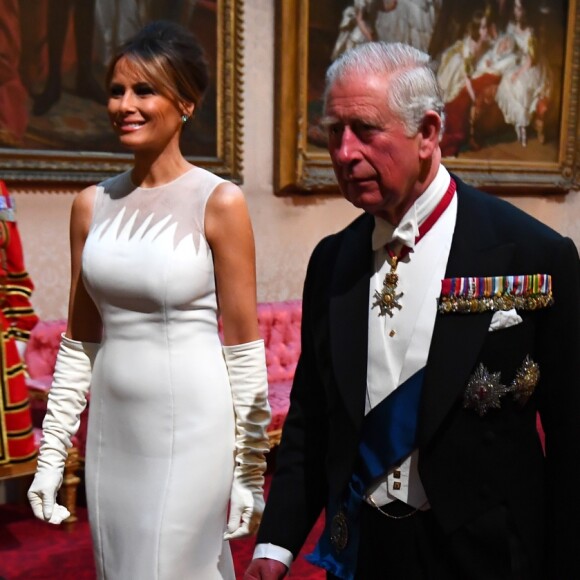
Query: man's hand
[[265, 569]]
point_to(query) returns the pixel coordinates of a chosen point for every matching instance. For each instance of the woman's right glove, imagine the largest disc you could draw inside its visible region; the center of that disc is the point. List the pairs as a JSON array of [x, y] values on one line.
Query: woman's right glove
[[67, 399]]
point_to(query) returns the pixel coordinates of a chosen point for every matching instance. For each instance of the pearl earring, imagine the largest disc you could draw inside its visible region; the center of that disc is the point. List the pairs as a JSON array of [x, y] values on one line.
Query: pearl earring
[[184, 118]]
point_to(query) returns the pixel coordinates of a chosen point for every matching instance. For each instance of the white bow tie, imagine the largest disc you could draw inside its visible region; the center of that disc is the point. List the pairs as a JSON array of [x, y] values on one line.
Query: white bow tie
[[384, 233]]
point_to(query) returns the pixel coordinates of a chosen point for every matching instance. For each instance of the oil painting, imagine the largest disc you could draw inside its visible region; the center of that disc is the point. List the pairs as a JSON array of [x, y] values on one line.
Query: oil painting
[[53, 60], [506, 69]]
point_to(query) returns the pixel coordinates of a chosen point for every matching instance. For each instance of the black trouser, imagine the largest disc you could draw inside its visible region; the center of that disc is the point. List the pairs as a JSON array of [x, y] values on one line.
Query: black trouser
[[415, 548]]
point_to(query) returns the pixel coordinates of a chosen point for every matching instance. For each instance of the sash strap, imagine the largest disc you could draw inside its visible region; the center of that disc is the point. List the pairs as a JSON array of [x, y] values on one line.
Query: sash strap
[[388, 436]]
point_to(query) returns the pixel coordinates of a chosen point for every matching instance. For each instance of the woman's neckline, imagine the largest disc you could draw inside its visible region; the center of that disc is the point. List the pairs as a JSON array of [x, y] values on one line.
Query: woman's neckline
[[162, 185]]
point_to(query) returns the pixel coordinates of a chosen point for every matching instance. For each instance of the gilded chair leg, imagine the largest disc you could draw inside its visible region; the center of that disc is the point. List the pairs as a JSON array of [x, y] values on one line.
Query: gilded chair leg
[[68, 490]]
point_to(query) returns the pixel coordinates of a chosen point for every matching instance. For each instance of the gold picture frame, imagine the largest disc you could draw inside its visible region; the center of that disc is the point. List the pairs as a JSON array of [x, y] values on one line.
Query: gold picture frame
[[301, 167], [45, 152]]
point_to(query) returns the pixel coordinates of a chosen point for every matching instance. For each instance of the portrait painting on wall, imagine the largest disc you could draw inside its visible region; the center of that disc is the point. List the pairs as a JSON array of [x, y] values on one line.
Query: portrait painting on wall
[[53, 60], [503, 67], [499, 65]]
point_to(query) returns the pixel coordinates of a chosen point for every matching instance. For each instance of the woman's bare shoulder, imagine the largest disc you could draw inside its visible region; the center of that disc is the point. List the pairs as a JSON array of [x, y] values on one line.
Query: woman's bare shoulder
[[226, 212], [85, 199], [225, 196], [82, 207]]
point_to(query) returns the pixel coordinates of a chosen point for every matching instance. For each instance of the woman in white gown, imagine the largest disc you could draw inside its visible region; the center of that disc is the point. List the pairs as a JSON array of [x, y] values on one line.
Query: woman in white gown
[[460, 87], [177, 422], [459, 61], [358, 24], [410, 21], [527, 82]]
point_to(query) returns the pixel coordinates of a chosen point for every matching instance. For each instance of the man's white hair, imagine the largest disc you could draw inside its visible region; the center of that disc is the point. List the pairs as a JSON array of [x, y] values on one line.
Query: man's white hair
[[413, 88]]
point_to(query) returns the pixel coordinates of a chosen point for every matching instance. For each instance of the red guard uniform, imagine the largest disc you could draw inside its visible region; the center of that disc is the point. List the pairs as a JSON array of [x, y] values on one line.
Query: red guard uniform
[[17, 319]]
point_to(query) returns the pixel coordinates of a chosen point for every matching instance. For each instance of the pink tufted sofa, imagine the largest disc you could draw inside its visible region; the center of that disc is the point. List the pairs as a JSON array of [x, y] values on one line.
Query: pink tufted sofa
[[279, 324]]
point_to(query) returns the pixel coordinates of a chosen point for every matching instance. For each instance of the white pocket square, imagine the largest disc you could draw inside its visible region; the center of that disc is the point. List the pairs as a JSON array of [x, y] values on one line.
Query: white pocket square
[[504, 319]]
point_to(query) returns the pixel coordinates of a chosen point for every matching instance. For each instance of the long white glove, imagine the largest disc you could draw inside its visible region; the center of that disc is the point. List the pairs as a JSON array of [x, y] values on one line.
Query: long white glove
[[67, 399], [246, 365]]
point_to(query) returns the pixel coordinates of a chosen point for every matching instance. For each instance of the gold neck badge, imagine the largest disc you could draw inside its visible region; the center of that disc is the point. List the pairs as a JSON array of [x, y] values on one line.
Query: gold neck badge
[[388, 299]]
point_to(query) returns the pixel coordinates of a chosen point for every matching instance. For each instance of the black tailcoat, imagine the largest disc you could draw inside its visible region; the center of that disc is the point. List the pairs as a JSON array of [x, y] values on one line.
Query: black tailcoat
[[468, 464]]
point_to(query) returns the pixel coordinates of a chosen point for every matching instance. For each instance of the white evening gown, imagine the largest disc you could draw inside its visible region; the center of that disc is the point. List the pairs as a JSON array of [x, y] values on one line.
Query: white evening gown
[[160, 448], [411, 22], [518, 97]]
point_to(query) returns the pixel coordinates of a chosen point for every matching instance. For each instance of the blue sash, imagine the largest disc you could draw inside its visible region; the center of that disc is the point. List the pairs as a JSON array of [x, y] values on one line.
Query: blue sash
[[388, 436]]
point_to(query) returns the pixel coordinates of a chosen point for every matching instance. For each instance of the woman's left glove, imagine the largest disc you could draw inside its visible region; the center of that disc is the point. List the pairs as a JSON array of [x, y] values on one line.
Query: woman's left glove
[[246, 364]]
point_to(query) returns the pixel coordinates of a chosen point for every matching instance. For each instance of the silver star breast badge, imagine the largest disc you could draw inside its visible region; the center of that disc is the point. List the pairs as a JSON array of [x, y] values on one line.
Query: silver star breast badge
[[484, 391]]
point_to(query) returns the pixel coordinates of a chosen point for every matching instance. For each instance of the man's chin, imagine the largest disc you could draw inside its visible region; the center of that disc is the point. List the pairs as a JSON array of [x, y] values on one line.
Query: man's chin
[[362, 193]]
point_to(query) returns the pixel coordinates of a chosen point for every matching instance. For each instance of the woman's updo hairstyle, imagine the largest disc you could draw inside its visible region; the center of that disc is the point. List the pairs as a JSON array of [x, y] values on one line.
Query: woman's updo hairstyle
[[170, 58]]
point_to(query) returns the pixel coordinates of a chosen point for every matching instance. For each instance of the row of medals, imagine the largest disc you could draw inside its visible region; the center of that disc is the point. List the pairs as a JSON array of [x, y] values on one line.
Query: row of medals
[[387, 300]]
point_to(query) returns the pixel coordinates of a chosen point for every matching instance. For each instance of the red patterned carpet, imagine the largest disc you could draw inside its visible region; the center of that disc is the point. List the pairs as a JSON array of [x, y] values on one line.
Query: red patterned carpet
[[33, 550]]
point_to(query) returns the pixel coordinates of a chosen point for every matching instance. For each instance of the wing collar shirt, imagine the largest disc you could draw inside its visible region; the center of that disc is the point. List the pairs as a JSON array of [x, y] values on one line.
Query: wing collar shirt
[[399, 345]]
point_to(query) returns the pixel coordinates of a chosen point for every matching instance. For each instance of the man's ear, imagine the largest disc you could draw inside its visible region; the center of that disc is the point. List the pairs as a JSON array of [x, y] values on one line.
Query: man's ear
[[429, 131]]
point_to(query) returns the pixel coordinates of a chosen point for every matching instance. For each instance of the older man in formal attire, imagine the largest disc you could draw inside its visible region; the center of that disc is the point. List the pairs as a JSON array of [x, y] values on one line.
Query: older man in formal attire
[[436, 327]]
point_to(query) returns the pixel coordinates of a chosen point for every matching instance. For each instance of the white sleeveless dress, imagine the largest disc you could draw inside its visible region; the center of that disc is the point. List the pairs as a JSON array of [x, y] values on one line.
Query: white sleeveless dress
[[160, 448]]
